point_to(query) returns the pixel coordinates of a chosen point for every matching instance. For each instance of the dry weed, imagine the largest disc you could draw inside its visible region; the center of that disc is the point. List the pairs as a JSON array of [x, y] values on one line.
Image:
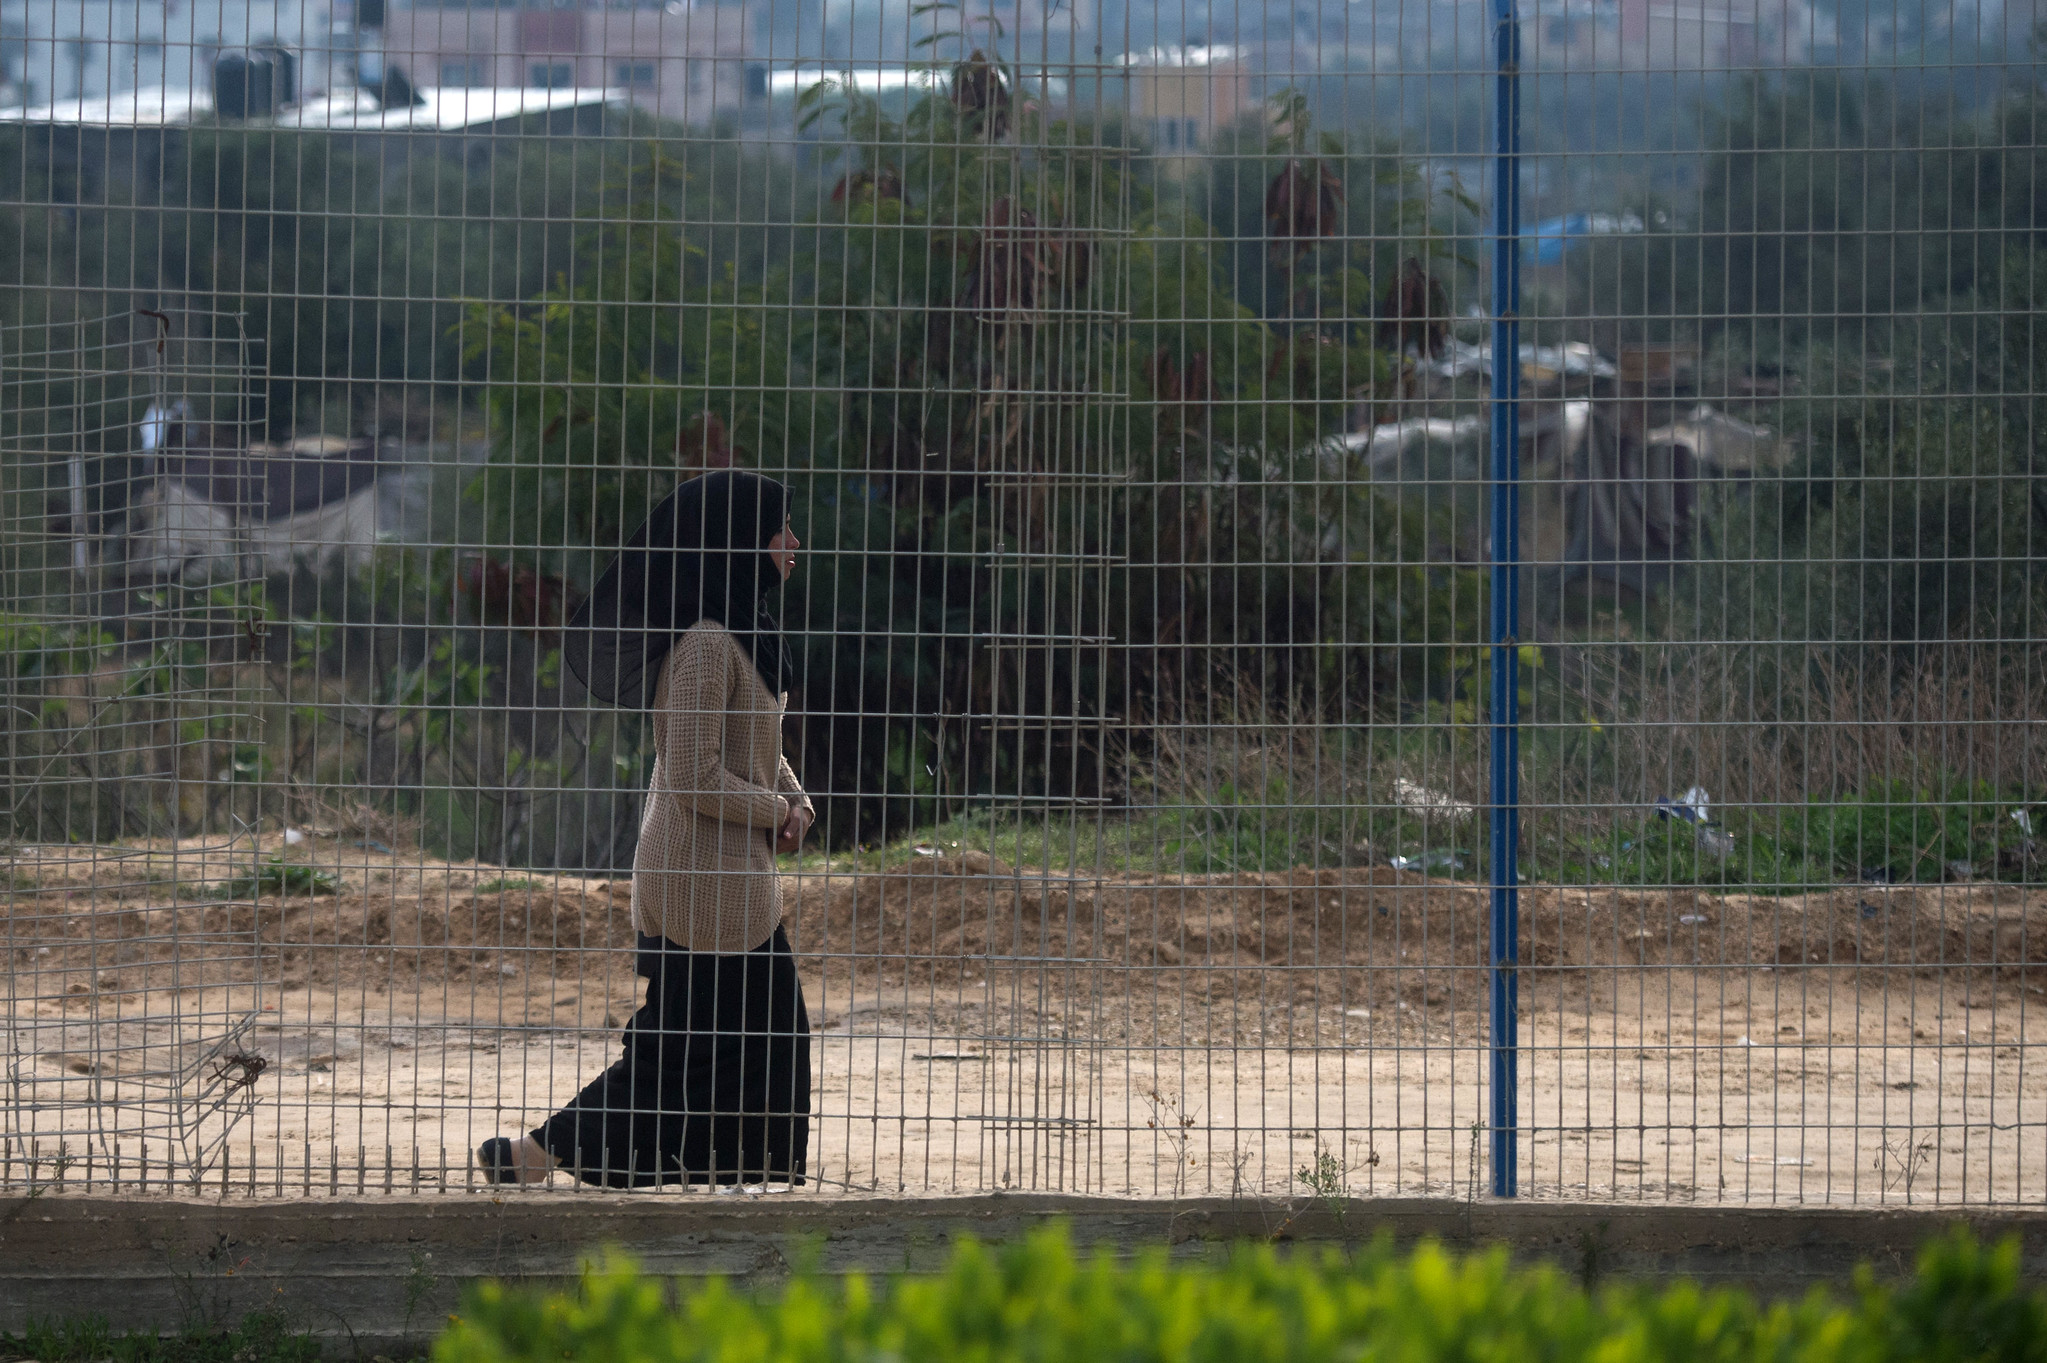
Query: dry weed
[[1759, 731]]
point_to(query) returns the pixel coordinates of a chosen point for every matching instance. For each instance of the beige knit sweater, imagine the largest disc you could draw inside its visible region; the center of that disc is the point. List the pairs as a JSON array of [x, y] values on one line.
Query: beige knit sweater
[[704, 874]]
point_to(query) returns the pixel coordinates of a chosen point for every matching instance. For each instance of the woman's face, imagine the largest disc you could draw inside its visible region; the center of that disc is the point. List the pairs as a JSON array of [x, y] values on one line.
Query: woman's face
[[782, 549]]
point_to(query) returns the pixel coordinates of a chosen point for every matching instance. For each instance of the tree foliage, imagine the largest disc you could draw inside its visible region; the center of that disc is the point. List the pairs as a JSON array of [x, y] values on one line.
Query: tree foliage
[[1047, 458]]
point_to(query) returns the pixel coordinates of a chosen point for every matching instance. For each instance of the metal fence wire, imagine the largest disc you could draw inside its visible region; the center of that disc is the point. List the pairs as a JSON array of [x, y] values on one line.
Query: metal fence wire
[[1396, 597]]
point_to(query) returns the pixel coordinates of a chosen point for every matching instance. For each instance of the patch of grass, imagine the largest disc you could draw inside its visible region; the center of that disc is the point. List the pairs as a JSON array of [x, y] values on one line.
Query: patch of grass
[[1233, 833], [1651, 851], [1890, 833], [263, 1337], [1903, 833], [1250, 788], [506, 884], [276, 876], [1809, 798]]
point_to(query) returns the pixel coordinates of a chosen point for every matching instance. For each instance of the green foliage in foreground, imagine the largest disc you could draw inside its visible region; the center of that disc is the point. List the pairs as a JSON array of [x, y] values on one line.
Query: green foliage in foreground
[[1038, 1300]]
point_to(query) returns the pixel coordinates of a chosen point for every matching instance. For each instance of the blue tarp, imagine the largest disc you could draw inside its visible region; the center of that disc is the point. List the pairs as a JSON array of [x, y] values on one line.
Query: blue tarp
[[1552, 237]]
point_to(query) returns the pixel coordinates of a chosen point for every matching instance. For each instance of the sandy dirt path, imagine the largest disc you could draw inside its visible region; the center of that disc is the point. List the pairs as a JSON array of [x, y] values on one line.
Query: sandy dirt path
[[977, 1028]]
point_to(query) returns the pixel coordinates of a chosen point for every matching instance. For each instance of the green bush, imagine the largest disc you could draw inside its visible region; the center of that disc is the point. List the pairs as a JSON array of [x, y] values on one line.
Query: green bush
[[1039, 1301]]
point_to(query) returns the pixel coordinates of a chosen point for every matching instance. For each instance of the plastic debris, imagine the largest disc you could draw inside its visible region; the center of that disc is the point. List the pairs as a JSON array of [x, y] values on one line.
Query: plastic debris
[[1691, 918], [1960, 870], [1574, 359], [1695, 807], [1461, 358], [1691, 807], [1429, 861], [1419, 798], [1878, 875], [1870, 910], [292, 837], [2024, 819]]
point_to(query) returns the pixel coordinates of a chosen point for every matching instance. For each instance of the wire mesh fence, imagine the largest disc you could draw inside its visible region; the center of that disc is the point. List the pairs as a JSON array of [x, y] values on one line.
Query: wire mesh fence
[[1341, 642]]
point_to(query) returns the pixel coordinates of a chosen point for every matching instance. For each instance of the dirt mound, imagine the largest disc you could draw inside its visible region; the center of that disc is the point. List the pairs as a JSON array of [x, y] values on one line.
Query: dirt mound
[[1377, 917], [943, 921]]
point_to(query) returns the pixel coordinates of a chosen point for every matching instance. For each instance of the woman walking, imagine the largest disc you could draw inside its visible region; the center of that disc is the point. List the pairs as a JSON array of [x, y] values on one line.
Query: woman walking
[[714, 1082]]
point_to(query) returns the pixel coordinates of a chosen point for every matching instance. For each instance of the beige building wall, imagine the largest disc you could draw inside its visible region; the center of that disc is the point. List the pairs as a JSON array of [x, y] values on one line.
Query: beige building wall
[[1183, 106]]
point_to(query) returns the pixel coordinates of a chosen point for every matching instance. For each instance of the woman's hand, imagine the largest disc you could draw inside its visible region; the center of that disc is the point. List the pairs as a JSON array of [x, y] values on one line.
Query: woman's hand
[[790, 837]]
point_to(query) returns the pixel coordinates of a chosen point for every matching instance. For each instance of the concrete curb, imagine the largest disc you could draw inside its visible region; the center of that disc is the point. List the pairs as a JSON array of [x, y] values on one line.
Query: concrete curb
[[375, 1274]]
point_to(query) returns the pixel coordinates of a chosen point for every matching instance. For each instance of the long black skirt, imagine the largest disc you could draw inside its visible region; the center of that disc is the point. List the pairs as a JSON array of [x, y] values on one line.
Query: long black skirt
[[714, 1085]]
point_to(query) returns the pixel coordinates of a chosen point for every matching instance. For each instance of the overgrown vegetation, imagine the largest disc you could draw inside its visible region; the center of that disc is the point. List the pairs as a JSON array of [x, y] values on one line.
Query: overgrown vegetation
[[969, 435], [1876, 798], [1035, 386], [1040, 1300], [102, 741]]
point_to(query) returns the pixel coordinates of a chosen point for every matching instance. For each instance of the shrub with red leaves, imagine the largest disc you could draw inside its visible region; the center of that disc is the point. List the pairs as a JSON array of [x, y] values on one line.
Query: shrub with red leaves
[[511, 595], [1017, 267], [981, 93], [1303, 360], [1182, 398], [703, 444], [1162, 371], [865, 186], [1079, 260], [1415, 313], [1303, 204]]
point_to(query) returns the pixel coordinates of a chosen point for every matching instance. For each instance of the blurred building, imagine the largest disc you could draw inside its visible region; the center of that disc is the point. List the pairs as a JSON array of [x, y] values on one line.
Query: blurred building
[[92, 49], [1675, 35], [1181, 96], [127, 139], [686, 61]]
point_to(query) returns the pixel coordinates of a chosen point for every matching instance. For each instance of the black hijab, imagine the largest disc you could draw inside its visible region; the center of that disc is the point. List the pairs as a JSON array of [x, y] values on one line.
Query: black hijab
[[701, 555]]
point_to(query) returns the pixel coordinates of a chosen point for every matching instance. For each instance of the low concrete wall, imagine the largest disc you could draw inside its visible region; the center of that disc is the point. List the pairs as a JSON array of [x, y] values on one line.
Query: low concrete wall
[[374, 1274]]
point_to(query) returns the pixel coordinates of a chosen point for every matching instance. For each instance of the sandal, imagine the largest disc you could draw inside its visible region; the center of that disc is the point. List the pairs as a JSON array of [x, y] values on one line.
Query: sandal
[[495, 1155]]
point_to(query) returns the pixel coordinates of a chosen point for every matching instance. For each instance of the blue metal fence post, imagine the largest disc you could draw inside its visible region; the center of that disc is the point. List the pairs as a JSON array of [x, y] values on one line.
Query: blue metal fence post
[[1505, 505]]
